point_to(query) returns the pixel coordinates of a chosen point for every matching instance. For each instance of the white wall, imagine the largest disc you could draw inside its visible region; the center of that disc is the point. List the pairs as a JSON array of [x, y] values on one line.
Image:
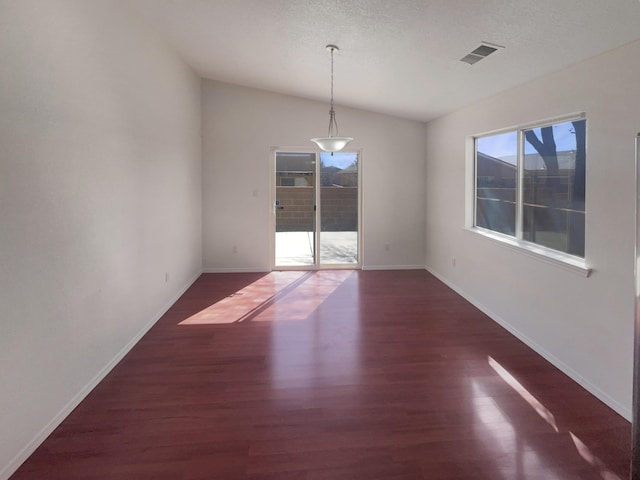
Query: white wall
[[100, 196], [584, 325], [240, 125]]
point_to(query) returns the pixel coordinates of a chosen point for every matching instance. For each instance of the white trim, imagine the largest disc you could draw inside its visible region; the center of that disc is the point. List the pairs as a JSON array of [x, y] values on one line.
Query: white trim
[[565, 261], [563, 367], [318, 213], [393, 267], [360, 207], [581, 115], [520, 171], [271, 240], [470, 182], [285, 268], [273, 151], [42, 435], [516, 241], [235, 270]]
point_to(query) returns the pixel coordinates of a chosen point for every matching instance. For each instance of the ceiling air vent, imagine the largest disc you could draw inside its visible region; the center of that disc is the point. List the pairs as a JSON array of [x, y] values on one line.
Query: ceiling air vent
[[479, 53]]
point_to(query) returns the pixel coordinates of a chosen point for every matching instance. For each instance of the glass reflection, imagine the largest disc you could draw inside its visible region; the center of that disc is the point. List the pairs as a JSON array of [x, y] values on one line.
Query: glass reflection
[[496, 174], [554, 186]]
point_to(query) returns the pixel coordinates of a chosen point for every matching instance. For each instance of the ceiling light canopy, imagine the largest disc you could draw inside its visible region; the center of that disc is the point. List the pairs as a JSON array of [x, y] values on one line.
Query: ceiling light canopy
[[332, 142]]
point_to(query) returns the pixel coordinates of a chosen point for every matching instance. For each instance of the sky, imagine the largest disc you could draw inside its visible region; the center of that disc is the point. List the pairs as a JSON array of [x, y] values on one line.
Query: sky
[[504, 145], [338, 159]]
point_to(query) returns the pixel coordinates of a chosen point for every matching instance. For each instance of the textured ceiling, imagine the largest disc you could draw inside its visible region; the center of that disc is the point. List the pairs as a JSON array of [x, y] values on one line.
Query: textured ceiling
[[397, 57]]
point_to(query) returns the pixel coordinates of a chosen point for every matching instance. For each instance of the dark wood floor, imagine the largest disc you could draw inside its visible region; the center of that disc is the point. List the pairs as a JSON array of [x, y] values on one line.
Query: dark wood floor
[[333, 375]]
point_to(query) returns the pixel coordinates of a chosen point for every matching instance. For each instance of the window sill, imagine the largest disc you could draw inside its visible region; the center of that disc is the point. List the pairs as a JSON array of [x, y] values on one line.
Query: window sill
[[565, 261]]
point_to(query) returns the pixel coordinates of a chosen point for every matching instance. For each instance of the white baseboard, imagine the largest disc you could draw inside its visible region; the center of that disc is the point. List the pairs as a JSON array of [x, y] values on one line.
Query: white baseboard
[[235, 270], [393, 267], [262, 270], [42, 435], [564, 368]]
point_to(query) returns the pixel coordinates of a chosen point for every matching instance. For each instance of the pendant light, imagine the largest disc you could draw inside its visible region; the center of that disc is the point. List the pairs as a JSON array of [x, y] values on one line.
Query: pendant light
[[332, 142]]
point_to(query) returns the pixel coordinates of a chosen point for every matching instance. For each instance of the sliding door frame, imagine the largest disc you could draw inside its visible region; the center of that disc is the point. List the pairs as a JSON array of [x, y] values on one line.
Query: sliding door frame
[[318, 213]]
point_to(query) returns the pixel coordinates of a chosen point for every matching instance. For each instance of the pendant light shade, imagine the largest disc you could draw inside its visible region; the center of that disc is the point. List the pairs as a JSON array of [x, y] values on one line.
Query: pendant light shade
[[332, 142]]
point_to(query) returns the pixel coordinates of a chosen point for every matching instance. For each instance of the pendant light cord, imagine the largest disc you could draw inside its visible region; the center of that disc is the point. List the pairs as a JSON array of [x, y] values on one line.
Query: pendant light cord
[[332, 143], [332, 79], [332, 114]]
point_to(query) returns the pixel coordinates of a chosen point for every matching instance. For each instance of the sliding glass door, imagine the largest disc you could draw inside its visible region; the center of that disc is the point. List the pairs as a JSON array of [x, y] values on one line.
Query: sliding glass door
[[316, 209]]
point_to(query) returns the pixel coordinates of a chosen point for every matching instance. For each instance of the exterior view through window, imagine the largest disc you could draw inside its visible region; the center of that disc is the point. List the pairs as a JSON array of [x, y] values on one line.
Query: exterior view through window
[[316, 209], [530, 184]]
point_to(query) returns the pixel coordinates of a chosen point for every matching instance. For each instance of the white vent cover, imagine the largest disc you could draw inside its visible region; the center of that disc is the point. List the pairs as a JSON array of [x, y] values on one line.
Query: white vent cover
[[483, 51]]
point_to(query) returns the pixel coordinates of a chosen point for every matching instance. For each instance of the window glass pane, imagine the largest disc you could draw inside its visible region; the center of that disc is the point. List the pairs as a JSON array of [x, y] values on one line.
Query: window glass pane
[[496, 173], [554, 186], [295, 208], [339, 208]]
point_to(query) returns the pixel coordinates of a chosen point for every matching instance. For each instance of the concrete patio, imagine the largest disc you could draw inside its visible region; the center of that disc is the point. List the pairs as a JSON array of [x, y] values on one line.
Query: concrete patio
[[336, 248]]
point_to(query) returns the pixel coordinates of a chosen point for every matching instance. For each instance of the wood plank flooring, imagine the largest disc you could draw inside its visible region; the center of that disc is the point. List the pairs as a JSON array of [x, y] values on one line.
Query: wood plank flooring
[[333, 375]]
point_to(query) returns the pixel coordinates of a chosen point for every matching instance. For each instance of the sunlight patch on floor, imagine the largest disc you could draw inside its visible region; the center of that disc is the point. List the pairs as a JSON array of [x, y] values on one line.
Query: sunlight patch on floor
[[540, 409], [271, 298], [548, 417], [243, 303]]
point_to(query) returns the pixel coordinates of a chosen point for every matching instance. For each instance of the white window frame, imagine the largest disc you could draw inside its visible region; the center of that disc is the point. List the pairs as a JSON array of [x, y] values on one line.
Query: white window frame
[[318, 265], [516, 243]]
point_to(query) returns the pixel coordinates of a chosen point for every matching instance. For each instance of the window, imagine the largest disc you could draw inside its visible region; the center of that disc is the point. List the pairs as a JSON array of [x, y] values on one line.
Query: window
[[530, 185]]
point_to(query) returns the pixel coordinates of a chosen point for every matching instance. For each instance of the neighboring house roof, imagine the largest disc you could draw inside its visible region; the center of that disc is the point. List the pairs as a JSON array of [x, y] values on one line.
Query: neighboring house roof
[[533, 161], [295, 162], [350, 169], [498, 161]]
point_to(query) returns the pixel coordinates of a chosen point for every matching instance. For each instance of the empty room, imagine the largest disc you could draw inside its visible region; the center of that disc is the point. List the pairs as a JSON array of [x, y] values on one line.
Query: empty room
[[313, 240]]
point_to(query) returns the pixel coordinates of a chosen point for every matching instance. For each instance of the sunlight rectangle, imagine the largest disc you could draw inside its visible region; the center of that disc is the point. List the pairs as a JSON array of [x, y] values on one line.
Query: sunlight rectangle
[[243, 303]]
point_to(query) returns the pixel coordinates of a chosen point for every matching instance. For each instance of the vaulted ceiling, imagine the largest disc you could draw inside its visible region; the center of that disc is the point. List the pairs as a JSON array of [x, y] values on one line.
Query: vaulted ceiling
[[397, 57]]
